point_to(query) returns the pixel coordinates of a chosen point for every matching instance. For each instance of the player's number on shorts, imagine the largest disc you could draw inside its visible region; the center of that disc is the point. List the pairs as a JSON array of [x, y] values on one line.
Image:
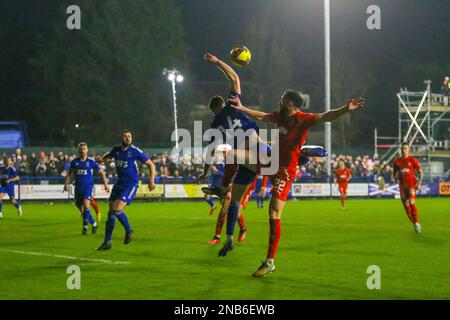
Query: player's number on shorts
[[279, 185]]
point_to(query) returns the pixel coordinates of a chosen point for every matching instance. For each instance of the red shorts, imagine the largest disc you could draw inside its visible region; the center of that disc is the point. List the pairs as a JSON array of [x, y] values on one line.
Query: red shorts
[[343, 188], [282, 183], [247, 195], [407, 193]]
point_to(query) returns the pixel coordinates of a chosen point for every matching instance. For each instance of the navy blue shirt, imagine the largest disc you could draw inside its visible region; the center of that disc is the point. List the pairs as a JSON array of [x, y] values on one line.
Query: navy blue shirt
[[84, 172], [230, 118], [126, 165], [7, 173]]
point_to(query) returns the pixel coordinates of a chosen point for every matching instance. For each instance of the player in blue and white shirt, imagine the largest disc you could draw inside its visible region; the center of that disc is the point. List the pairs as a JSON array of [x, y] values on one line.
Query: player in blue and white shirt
[[8, 175], [228, 120], [81, 170], [123, 192], [215, 181]]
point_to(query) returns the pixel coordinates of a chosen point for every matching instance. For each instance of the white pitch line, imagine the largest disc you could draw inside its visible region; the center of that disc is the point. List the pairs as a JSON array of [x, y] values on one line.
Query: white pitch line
[[43, 254]]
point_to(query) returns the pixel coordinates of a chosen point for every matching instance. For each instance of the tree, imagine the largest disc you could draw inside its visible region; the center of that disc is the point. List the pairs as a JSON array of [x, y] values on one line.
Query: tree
[[271, 71], [348, 80], [107, 76]]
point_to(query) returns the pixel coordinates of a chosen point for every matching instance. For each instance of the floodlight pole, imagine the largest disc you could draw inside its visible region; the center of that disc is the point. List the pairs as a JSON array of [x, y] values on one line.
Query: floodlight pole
[[327, 84], [174, 76], [174, 92]]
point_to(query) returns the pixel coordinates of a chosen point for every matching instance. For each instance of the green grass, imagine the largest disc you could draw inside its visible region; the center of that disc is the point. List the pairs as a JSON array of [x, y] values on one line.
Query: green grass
[[323, 253]]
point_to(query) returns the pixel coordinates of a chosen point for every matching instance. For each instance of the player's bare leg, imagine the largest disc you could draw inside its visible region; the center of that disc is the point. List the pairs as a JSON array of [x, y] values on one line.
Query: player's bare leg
[[211, 203], [276, 207]]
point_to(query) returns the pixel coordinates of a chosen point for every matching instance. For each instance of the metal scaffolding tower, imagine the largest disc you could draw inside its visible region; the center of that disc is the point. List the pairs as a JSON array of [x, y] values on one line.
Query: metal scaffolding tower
[[420, 114]]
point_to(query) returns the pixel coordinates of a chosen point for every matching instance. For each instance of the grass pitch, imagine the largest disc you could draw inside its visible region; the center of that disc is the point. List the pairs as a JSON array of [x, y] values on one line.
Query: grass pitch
[[324, 253]]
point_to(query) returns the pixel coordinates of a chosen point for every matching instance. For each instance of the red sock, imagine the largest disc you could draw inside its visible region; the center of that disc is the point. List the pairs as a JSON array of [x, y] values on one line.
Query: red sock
[[241, 221], [408, 212], [342, 201], [414, 214], [95, 206], [274, 237], [220, 221]]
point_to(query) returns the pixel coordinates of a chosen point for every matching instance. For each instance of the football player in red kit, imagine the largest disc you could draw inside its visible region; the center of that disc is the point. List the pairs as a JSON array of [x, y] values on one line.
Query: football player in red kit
[[405, 168], [293, 126], [342, 176]]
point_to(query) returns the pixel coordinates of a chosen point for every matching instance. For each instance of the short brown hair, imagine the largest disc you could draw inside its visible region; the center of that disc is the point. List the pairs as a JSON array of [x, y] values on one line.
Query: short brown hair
[[216, 102], [405, 144], [295, 97], [125, 131], [81, 144]]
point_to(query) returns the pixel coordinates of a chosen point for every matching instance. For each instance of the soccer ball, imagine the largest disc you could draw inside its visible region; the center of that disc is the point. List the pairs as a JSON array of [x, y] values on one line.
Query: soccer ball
[[241, 56]]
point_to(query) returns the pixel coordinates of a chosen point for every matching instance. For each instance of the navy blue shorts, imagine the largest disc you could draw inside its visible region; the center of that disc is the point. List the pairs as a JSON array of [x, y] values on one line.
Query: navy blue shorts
[[9, 190], [244, 176], [125, 193], [81, 195]]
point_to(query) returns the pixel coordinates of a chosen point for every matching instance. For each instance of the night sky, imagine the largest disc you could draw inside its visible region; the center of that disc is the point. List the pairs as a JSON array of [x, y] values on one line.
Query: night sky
[[413, 32]]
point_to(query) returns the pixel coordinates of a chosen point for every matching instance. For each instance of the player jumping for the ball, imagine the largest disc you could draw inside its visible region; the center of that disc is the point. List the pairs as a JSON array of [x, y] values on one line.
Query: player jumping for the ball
[[294, 127], [342, 176], [82, 171], [124, 190], [405, 168], [227, 120]]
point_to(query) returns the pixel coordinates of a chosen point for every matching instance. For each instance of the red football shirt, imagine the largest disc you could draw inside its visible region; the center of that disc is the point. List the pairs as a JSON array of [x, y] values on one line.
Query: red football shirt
[[406, 168], [293, 133], [342, 175]]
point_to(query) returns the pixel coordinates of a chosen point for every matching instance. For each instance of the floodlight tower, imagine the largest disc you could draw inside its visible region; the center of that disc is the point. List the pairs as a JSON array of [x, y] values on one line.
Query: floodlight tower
[[174, 76]]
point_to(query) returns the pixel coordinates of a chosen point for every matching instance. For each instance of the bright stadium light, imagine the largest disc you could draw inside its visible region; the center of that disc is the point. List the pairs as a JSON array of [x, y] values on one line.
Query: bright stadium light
[[174, 76]]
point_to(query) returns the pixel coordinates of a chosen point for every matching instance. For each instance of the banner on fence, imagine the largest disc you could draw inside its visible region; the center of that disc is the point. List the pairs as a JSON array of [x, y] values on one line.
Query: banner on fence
[[393, 190], [184, 190], [311, 189], [444, 188], [144, 192], [353, 190], [42, 192]]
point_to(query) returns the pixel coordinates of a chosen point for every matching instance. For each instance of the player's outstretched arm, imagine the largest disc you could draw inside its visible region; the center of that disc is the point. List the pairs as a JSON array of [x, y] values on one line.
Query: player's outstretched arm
[[151, 167], [351, 105], [230, 74], [257, 115]]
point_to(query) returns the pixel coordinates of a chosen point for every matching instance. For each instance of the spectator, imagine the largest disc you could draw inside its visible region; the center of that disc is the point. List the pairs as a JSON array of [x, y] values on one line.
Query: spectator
[[25, 167], [41, 169], [33, 162]]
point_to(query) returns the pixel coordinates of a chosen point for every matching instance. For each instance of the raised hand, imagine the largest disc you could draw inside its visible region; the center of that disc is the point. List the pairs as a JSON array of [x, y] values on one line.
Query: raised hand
[[236, 103], [210, 58], [355, 103]]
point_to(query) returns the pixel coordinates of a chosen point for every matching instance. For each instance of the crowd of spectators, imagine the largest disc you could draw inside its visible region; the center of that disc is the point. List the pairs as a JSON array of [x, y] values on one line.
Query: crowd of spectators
[[53, 164]]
